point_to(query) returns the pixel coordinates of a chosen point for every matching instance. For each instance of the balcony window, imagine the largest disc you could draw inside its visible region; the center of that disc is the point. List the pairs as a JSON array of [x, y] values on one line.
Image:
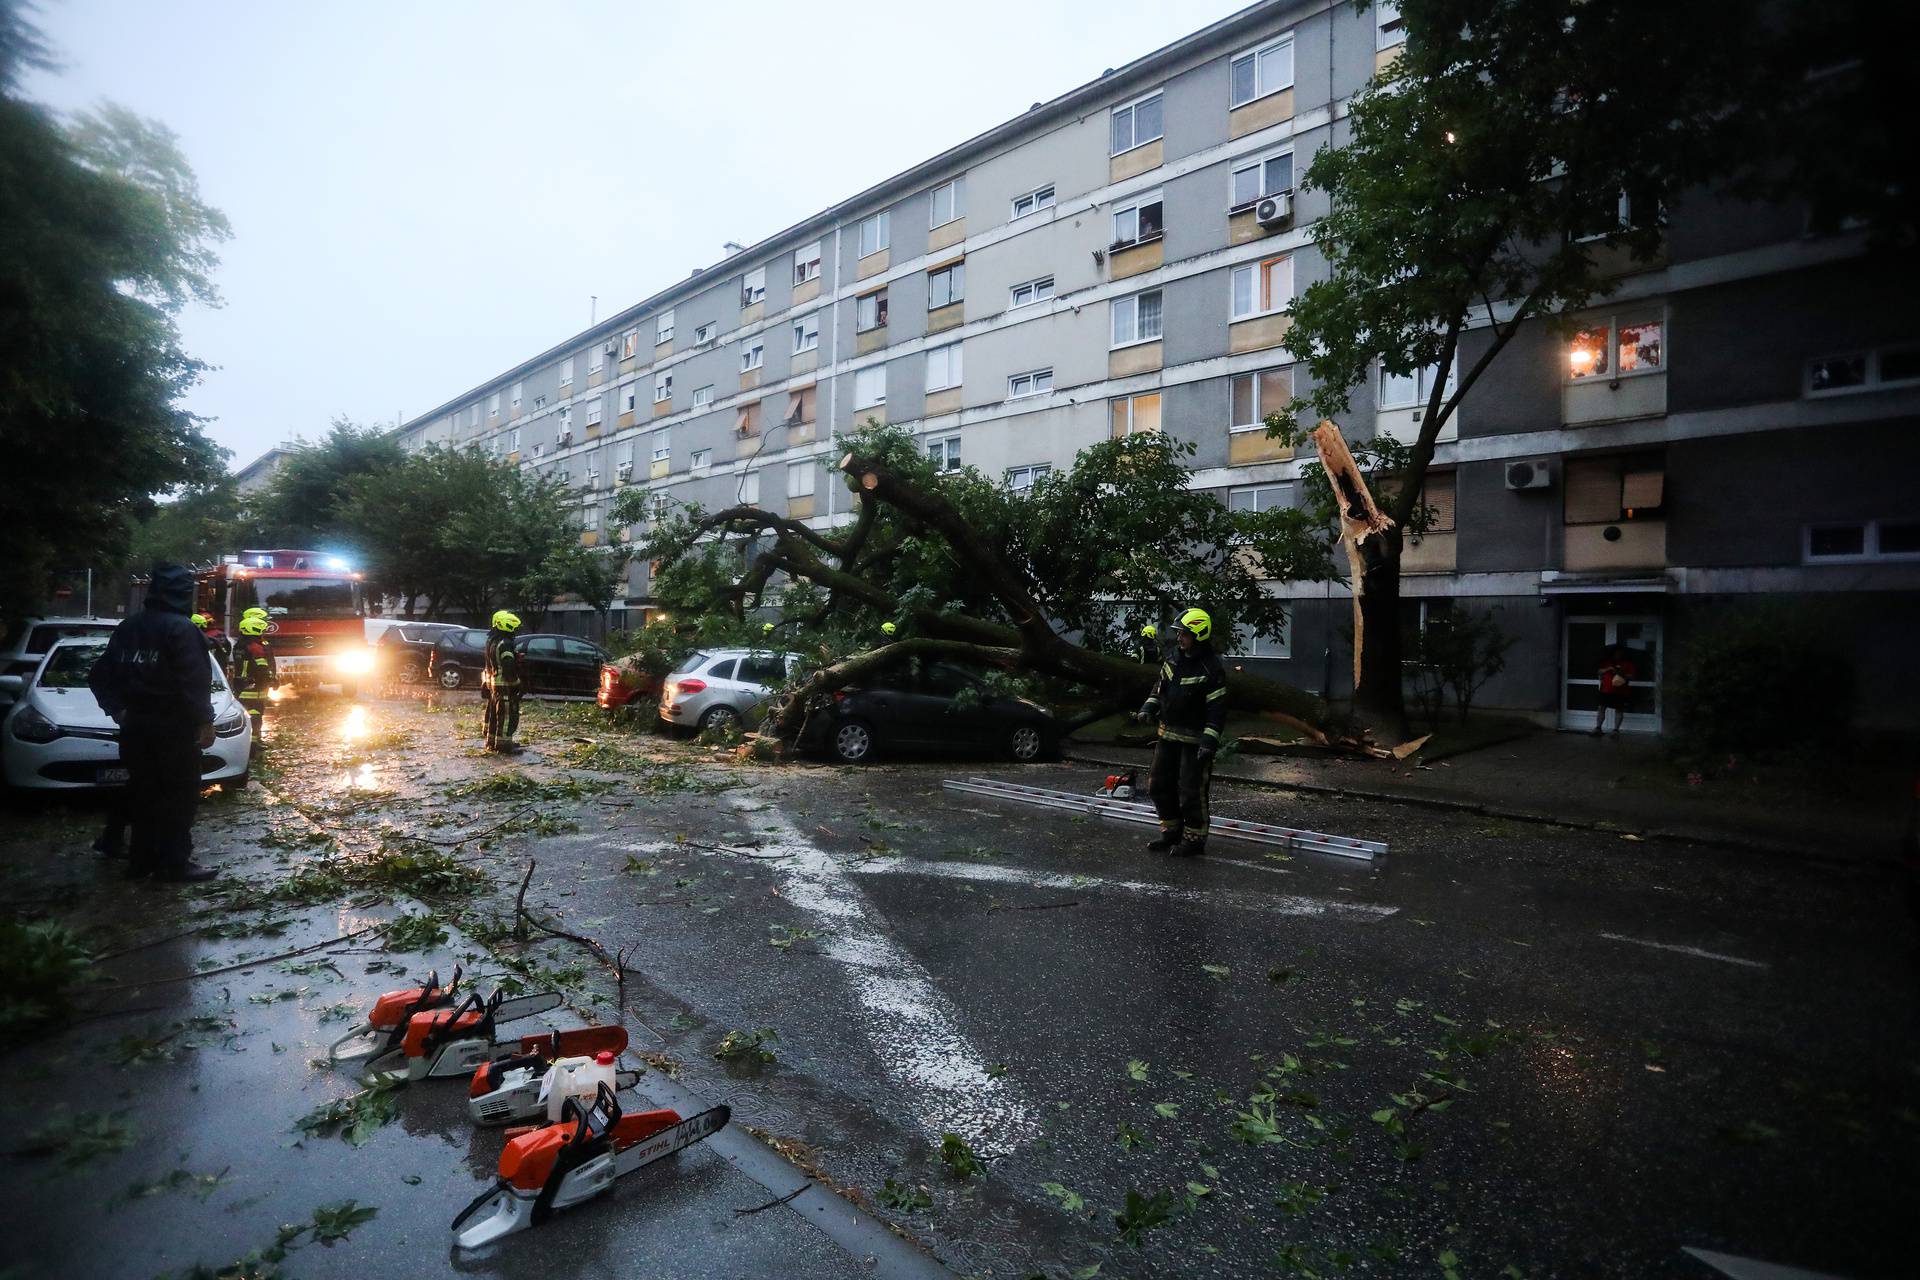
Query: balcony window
[[1137, 221], [870, 311]]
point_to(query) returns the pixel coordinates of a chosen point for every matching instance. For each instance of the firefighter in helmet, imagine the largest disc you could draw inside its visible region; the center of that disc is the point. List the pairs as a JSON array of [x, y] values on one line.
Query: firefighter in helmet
[[502, 683], [1190, 701], [1149, 648], [254, 670], [217, 643]]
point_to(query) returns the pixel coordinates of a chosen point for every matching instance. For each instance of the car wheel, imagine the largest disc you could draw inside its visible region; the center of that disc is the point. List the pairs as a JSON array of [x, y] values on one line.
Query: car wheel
[[412, 671], [853, 742], [724, 719], [1026, 743], [449, 676]]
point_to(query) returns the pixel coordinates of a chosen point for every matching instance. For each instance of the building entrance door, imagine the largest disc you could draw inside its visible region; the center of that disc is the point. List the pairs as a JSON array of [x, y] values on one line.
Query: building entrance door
[[1585, 644]]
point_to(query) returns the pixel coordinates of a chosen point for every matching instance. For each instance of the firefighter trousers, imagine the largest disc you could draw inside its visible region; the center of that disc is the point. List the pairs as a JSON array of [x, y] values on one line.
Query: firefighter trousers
[[503, 715], [1179, 785]]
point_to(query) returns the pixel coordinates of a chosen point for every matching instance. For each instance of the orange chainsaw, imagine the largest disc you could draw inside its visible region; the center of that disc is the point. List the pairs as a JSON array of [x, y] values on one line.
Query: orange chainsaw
[[559, 1165], [514, 1087], [452, 1042], [387, 1024]]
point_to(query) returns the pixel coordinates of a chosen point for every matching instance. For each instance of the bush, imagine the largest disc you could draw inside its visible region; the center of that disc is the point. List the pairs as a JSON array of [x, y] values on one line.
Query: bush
[[1761, 682], [38, 963]]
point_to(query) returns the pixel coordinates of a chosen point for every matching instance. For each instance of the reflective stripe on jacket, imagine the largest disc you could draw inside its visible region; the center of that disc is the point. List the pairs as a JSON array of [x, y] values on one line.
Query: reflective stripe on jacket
[[1190, 696]]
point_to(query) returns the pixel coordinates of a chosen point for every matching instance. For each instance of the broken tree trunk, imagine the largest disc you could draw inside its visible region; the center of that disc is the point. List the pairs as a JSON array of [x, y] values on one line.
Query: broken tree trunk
[[1360, 520]]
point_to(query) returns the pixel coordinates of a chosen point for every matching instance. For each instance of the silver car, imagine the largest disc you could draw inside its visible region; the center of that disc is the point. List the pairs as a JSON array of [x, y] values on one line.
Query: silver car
[[723, 688]]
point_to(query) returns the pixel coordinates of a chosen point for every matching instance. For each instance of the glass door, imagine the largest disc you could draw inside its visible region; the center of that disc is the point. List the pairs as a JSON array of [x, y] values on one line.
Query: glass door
[[1585, 647]]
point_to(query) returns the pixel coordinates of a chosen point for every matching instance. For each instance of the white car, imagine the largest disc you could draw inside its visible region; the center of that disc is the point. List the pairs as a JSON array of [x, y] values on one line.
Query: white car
[[56, 737], [724, 688], [30, 639]]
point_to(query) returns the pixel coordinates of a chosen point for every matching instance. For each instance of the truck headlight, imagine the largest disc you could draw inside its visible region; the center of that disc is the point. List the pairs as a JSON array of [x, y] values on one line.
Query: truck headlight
[[30, 726], [355, 662]]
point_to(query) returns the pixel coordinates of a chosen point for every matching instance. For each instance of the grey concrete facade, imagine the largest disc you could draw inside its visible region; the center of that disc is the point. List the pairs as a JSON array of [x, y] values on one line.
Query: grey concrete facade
[[1728, 429]]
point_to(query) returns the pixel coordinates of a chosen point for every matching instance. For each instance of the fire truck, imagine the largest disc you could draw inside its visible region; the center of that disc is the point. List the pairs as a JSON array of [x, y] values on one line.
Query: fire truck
[[316, 611]]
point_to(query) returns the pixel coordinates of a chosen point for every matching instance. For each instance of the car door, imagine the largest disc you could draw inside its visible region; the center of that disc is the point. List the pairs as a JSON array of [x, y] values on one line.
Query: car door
[[544, 672], [959, 702], [581, 661], [761, 675]]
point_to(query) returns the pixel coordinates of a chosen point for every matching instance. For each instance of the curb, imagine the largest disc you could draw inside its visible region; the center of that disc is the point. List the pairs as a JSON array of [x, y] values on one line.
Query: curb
[[1736, 844]]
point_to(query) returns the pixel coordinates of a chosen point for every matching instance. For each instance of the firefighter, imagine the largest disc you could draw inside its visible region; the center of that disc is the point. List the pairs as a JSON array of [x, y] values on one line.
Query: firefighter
[[1190, 702], [217, 643], [152, 680], [888, 630], [501, 682], [254, 671], [1149, 651]]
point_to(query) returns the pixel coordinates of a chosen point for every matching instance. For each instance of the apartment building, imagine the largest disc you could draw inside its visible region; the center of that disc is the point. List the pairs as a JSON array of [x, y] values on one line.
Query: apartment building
[[1737, 424]]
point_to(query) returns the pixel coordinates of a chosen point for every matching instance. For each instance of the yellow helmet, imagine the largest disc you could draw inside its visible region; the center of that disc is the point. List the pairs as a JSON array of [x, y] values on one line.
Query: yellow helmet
[[506, 621], [1150, 631], [253, 625], [1197, 622], [254, 611], [887, 628], [202, 621], [766, 626]]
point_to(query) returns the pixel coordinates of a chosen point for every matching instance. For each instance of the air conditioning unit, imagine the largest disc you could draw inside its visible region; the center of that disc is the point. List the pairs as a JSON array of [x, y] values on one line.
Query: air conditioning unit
[[593, 479], [1274, 209], [612, 348], [566, 435], [1534, 473]]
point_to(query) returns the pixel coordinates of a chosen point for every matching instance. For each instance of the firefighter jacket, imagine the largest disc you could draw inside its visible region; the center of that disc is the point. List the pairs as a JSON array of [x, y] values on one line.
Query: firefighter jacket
[[155, 666], [1190, 697], [503, 662], [221, 648], [253, 669]]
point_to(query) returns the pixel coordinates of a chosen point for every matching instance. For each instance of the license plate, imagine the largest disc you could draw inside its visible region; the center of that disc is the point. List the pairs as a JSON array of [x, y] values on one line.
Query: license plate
[[111, 773]]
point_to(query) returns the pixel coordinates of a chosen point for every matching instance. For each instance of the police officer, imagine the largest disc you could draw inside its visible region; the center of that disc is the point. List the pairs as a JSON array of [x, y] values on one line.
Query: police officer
[[501, 682], [153, 681], [254, 670], [1190, 702]]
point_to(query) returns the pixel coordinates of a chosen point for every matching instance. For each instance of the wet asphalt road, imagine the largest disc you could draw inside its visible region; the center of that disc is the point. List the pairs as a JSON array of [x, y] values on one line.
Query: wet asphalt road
[[1501, 1050]]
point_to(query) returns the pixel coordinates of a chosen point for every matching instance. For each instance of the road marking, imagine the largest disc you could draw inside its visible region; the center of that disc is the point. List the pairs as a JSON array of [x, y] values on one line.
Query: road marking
[[1285, 904], [1753, 1268], [911, 1026], [1687, 951]]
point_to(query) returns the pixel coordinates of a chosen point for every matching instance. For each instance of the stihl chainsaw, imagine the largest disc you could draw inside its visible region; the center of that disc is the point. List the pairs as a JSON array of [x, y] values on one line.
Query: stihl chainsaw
[[452, 1042], [517, 1086], [384, 1027], [559, 1165]]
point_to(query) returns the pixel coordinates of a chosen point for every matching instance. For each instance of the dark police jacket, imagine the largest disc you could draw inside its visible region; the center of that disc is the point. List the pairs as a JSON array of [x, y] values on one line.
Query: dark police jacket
[[155, 668], [1191, 697]]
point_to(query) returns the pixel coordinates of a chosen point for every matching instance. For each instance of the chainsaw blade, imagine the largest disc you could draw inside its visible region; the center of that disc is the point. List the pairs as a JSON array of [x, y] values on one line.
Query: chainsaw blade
[[667, 1141], [517, 1007]]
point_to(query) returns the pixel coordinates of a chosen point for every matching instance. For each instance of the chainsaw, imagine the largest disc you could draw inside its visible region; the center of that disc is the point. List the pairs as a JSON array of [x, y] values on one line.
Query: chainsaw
[[514, 1087], [559, 1165], [452, 1042], [1121, 786], [387, 1024]]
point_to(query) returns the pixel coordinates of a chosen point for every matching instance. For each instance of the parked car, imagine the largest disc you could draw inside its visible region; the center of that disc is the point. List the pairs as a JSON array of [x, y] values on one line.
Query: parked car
[[403, 651], [929, 706], [622, 682], [552, 663], [29, 640], [720, 688], [56, 737]]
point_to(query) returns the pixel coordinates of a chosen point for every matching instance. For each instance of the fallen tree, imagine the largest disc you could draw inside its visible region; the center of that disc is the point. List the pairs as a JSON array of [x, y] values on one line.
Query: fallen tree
[[1055, 580]]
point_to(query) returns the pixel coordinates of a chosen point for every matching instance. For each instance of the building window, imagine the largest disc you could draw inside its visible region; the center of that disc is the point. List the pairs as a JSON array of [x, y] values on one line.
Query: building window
[[493, 405], [801, 404], [701, 458], [661, 504], [947, 202], [874, 234], [1033, 383], [1260, 497], [630, 344], [629, 397], [1259, 177], [565, 431], [870, 387], [944, 453], [1256, 395], [1409, 390], [1020, 479], [753, 355], [1245, 644], [473, 415], [750, 488], [806, 333], [663, 328], [595, 411], [1030, 292], [753, 287], [800, 480], [662, 445], [946, 285], [1438, 495], [596, 358], [1615, 488], [703, 397], [1137, 221], [706, 333], [870, 311], [1863, 370], [513, 440], [515, 397], [1033, 201], [1267, 69], [663, 386], [1136, 124], [1136, 319], [1262, 288], [1617, 350], [943, 367], [1388, 25], [590, 519], [806, 263], [1862, 540], [1135, 414]]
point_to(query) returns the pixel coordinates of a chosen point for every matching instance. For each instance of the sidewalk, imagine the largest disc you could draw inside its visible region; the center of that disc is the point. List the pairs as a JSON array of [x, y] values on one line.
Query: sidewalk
[[1622, 783]]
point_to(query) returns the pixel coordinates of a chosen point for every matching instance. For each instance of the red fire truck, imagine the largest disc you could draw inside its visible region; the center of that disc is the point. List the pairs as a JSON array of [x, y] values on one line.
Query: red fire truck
[[315, 607]]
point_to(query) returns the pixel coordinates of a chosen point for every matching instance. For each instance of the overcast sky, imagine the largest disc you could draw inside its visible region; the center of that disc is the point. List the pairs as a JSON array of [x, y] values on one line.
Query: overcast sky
[[423, 194]]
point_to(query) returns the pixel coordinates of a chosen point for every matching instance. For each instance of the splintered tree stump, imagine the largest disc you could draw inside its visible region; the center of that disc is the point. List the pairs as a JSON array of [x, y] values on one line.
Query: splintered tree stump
[[1360, 519]]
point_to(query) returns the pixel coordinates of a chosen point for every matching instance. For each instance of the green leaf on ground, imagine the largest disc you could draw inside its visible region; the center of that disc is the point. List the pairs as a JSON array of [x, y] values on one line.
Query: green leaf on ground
[[904, 1198], [1169, 1110], [333, 1222], [1069, 1199], [1142, 1214], [961, 1160], [1137, 1069], [1217, 970], [75, 1139], [354, 1117]]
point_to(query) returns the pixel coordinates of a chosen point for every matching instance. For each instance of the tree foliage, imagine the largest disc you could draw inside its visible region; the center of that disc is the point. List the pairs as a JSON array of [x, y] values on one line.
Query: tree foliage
[[302, 504], [103, 238]]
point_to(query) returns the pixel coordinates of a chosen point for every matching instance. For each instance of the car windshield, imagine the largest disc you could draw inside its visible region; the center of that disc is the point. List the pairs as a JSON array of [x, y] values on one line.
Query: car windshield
[[70, 665], [302, 597], [47, 634]]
